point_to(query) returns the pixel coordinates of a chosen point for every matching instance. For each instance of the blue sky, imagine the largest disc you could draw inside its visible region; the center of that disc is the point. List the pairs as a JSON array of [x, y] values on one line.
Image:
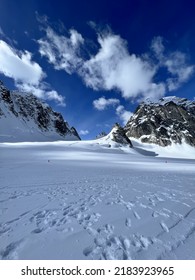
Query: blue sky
[[94, 61]]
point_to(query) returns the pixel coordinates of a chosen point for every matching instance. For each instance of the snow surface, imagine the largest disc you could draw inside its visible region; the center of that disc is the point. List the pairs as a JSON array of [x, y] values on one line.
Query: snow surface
[[15, 130], [96, 200]]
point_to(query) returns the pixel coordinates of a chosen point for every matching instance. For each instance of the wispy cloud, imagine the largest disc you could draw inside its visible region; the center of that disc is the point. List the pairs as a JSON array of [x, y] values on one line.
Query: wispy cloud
[[175, 62], [113, 67], [53, 95], [1, 31], [61, 51], [4, 37], [123, 114], [157, 46], [42, 90], [102, 103], [27, 74], [83, 132]]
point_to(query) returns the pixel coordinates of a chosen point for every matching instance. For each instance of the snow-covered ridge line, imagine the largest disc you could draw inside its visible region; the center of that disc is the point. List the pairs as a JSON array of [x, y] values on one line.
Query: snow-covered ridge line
[[177, 100]]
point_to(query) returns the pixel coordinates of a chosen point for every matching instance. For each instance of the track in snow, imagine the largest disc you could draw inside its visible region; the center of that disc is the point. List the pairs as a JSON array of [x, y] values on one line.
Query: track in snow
[[78, 209]]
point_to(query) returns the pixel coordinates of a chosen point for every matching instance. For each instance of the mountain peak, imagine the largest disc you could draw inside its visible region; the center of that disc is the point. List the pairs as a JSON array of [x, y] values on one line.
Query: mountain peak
[[170, 120], [23, 117], [167, 99], [118, 135]]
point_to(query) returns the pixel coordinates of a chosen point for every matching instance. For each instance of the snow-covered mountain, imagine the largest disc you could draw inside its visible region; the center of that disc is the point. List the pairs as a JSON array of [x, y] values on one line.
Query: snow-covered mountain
[[23, 117], [117, 137], [170, 120]]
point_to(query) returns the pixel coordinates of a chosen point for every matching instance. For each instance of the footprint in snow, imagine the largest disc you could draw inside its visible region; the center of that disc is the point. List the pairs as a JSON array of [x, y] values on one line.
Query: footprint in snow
[[155, 214], [164, 227], [128, 222], [141, 242], [4, 229], [11, 251], [109, 248], [136, 215]]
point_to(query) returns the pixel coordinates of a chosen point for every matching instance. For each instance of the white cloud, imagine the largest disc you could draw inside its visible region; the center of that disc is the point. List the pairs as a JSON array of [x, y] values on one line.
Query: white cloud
[[76, 38], [61, 51], [19, 65], [1, 31], [102, 103], [175, 62], [27, 74], [114, 68], [43, 91], [155, 92], [53, 95], [123, 114], [83, 132], [177, 66], [35, 89], [157, 46]]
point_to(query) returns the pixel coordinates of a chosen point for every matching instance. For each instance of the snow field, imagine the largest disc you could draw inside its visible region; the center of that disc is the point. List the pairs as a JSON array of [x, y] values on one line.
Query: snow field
[[81, 200]]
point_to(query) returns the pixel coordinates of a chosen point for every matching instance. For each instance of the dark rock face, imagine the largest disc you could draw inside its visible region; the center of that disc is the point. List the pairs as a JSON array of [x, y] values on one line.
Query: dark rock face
[[74, 132], [171, 120], [119, 135], [28, 108], [6, 97]]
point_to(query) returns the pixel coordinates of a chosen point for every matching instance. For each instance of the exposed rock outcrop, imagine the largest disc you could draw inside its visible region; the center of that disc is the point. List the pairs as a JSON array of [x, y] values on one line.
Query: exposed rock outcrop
[[24, 117], [171, 120]]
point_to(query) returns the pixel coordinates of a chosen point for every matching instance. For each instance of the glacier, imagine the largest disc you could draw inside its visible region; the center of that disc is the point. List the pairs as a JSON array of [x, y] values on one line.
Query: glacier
[[96, 199]]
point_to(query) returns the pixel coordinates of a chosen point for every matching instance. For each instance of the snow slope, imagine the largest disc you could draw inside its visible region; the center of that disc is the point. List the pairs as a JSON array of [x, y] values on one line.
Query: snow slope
[[173, 151], [87, 200], [24, 117], [15, 130]]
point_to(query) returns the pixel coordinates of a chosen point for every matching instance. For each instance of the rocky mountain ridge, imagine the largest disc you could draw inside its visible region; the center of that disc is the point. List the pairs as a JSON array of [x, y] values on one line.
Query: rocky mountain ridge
[[170, 120], [116, 138], [24, 117], [118, 135]]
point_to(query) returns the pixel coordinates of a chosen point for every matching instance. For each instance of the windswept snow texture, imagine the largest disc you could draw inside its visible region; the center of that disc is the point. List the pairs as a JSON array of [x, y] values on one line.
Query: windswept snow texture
[[83, 200]]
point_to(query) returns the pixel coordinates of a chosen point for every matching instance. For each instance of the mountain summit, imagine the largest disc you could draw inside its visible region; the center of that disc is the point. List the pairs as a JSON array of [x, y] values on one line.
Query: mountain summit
[[116, 138], [23, 117], [170, 120]]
